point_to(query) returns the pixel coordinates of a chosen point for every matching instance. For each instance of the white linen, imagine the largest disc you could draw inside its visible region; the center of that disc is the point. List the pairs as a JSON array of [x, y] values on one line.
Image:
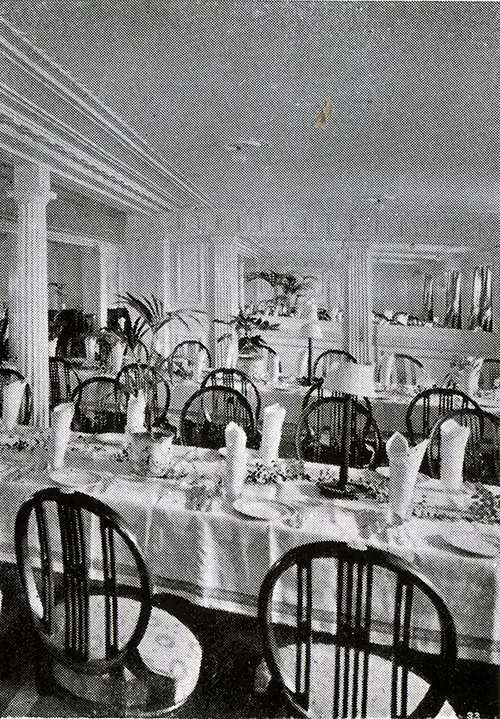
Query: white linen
[[90, 348], [160, 455], [52, 347], [231, 357], [302, 364], [453, 443], [404, 463], [468, 377], [62, 416], [13, 394], [116, 356], [272, 428], [275, 368], [236, 460], [386, 368], [136, 413]]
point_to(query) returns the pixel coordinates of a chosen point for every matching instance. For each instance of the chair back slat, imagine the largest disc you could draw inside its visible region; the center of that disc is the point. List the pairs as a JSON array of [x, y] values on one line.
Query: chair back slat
[[430, 404], [63, 380], [100, 405], [182, 359], [135, 377], [235, 379], [323, 363]]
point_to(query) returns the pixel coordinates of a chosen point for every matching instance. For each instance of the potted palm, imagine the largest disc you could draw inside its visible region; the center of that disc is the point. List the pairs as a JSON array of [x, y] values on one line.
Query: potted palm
[[247, 325], [288, 288]]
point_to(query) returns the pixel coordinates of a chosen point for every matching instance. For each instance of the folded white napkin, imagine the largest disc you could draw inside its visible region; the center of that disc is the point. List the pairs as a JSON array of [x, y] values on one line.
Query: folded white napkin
[[236, 460], [200, 365], [404, 463], [62, 416], [52, 346], [468, 378], [453, 442], [310, 311], [136, 411], [231, 357], [331, 379], [13, 394], [274, 416], [302, 364], [386, 368], [275, 369], [160, 455], [90, 347], [116, 356]]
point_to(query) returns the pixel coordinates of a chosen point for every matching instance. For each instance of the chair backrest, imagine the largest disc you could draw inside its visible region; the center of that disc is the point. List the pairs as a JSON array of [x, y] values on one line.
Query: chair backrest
[[338, 634], [156, 390], [208, 411], [326, 359], [183, 356], [427, 406], [9, 374], [482, 451], [490, 371], [100, 405], [236, 379], [63, 380], [85, 536], [316, 392], [320, 428], [407, 369]]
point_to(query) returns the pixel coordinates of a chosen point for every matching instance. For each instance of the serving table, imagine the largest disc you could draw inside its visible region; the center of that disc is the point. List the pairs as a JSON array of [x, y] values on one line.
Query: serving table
[[217, 557]]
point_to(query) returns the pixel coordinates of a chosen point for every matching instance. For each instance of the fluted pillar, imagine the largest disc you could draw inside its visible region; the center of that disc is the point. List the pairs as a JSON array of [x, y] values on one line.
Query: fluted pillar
[[28, 285], [222, 271], [357, 292]]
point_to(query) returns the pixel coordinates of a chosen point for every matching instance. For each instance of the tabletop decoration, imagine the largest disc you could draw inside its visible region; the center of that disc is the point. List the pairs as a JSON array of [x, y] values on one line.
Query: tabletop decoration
[[386, 368], [272, 427], [312, 330], [136, 413], [13, 393], [62, 416], [160, 455], [278, 471], [464, 374], [367, 485], [485, 505], [140, 452], [454, 439], [236, 460]]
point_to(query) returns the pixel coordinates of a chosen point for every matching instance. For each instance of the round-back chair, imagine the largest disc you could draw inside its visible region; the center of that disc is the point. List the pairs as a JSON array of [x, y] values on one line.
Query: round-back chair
[[208, 411], [407, 369], [427, 406], [323, 363], [63, 380], [236, 379], [8, 375], [113, 651], [482, 451], [100, 406], [340, 634], [182, 359], [156, 390], [320, 429], [316, 392]]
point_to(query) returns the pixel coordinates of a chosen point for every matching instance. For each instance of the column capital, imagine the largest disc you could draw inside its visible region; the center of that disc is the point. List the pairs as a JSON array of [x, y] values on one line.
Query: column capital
[[31, 184]]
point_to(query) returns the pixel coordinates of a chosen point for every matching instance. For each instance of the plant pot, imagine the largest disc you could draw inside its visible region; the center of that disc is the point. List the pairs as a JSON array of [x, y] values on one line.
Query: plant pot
[[252, 365]]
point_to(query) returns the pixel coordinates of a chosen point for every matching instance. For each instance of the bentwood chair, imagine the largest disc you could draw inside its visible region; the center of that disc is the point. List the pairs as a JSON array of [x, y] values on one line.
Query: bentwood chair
[[427, 406], [207, 413], [9, 374], [320, 428], [236, 379], [490, 371], [182, 359], [100, 406], [112, 651], [63, 380], [340, 631], [316, 392], [407, 369], [323, 362], [156, 390], [482, 451]]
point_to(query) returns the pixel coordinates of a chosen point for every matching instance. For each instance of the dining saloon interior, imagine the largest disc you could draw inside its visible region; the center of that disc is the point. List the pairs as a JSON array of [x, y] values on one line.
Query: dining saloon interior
[[249, 358]]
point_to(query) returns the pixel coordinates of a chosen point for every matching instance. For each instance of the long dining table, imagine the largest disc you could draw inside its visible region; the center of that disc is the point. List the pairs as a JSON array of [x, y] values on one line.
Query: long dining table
[[216, 554]]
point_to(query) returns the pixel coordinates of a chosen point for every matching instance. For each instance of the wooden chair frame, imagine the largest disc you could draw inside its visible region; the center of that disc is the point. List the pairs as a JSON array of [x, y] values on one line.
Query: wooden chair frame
[[447, 397], [228, 376]]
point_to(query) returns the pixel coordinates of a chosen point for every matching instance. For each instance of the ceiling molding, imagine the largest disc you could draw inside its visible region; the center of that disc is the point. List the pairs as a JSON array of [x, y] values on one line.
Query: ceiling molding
[[77, 147], [9, 227]]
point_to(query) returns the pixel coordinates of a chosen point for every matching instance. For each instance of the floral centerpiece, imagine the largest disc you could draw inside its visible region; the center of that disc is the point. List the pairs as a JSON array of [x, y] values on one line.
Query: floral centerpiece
[[247, 325]]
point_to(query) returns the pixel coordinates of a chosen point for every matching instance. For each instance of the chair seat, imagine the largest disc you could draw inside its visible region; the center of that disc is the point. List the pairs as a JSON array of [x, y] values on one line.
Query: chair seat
[[322, 685], [168, 648]]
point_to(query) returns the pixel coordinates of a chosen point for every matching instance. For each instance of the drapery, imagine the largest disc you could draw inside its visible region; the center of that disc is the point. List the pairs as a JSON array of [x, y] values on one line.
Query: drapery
[[453, 299], [481, 314], [428, 303]]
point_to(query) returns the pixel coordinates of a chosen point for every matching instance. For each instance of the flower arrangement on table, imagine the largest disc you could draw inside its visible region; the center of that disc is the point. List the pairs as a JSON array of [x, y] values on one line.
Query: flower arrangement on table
[[277, 471], [247, 324], [368, 485]]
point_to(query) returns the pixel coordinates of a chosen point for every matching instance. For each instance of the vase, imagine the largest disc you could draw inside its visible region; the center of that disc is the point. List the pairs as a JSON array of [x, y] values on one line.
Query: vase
[[252, 365]]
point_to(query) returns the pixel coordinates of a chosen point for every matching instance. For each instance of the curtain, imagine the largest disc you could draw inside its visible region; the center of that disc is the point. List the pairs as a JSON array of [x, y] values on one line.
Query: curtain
[[481, 311], [453, 299], [428, 308]]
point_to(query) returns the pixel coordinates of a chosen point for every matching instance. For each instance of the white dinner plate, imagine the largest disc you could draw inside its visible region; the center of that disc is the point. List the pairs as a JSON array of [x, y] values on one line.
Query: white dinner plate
[[269, 511], [472, 543], [74, 478]]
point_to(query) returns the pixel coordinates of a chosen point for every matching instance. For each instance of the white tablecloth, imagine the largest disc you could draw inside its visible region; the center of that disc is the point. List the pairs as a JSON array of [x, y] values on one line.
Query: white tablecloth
[[218, 558]]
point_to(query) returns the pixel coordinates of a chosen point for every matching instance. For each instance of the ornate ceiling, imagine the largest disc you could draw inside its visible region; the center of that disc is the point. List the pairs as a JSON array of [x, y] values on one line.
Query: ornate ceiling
[[414, 90]]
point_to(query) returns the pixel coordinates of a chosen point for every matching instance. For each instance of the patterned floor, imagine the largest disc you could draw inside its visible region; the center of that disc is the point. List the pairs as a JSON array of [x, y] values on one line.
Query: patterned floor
[[225, 689]]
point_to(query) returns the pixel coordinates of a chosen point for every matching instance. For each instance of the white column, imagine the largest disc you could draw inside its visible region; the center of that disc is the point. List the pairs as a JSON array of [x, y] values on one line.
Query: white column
[[222, 270], [28, 290], [103, 261], [357, 292], [91, 268]]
